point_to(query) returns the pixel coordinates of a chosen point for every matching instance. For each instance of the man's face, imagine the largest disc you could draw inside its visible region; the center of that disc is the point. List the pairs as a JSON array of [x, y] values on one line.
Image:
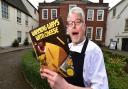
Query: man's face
[[76, 28]]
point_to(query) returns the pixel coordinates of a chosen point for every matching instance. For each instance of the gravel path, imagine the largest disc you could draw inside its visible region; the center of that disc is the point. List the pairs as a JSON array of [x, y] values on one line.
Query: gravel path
[[10, 71]]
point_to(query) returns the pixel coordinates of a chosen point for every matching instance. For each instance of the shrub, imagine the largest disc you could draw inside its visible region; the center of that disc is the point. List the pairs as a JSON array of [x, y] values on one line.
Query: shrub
[[15, 43], [126, 65], [118, 82], [117, 77], [115, 64], [26, 43]]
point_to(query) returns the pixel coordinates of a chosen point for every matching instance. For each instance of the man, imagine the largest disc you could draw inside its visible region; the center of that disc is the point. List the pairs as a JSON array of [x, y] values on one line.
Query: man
[[87, 58]]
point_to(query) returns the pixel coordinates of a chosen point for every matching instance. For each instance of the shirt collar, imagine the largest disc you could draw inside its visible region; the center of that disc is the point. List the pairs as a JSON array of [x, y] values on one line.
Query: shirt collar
[[82, 43]]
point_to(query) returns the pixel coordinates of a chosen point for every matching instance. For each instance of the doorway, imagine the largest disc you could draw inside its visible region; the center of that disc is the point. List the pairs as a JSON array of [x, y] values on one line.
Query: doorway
[[125, 44]]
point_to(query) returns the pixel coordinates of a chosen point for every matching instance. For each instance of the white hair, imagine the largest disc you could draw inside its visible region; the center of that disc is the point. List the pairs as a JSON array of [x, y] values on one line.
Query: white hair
[[78, 11]]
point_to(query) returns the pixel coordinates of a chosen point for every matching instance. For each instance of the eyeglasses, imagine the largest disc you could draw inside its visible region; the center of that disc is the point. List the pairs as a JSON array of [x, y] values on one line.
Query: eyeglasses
[[77, 22]]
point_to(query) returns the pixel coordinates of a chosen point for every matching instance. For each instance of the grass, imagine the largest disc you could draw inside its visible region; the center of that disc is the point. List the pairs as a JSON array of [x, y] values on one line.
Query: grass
[[118, 79], [118, 82], [30, 68], [117, 76]]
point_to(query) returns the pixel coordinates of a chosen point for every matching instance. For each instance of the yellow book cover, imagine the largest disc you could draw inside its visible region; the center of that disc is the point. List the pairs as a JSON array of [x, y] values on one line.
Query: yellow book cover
[[51, 47]]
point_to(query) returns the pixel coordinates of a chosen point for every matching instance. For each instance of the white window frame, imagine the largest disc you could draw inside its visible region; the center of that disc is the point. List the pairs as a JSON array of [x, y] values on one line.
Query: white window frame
[[126, 25], [91, 32], [72, 5], [26, 20], [18, 16], [4, 10], [114, 12], [99, 15], [52, 13], [101, 28], [34, 11], [43, 13], [90, 18]]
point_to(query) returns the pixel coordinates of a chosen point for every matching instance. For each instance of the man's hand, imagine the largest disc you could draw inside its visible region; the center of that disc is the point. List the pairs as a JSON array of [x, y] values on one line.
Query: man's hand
[[54, 79]]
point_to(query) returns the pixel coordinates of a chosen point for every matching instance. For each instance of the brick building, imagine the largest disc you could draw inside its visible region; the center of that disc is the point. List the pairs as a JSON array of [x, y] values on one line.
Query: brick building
[[95, 15]]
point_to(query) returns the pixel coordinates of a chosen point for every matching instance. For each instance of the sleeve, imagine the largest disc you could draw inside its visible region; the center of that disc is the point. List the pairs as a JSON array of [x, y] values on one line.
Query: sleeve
[[96, 71]]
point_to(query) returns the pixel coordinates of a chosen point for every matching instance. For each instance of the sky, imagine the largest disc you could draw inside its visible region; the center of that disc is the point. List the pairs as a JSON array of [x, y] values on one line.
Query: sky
[[111, 2]]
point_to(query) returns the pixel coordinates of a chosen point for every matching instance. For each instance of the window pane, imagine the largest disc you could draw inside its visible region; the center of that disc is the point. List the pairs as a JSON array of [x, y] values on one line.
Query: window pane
[[89, 33], [100, 15], [45, 14], [18, 16], [72, 5], [4, 10], [126, 25], [53, 13], [114, 12], [90, 15], [26, 21], [99, 33]]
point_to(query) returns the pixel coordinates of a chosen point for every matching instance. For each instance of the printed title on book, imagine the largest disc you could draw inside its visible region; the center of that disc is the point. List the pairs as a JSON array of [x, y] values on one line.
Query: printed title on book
[[46, 30]]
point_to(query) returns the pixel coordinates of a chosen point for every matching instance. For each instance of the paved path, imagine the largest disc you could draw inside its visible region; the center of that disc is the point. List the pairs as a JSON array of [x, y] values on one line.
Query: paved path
[[10, 71], [124, 53]]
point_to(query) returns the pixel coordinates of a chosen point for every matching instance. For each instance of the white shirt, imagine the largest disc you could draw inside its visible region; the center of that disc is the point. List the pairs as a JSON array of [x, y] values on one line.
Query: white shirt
[[94, 72]]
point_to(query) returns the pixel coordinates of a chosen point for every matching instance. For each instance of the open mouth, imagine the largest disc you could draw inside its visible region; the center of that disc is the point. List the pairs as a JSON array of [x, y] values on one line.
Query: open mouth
[[75, 33]]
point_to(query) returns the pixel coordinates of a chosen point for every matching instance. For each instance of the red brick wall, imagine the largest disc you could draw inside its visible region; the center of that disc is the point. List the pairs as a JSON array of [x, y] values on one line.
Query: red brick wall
[[63, 12]]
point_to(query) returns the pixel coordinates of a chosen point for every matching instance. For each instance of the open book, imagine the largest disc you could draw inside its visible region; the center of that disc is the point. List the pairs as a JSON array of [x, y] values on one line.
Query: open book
[[51, 47]]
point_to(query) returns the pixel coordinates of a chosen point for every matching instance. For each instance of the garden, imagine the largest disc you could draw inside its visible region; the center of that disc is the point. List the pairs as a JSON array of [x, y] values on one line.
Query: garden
[[116, 66]]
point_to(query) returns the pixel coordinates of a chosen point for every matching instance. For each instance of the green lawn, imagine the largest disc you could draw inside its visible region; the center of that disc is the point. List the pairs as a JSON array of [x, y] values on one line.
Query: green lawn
[[117, 77], [30, 68]]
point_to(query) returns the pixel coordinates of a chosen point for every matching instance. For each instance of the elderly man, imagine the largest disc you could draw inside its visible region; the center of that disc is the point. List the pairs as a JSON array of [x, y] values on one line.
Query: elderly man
[[88, 61]]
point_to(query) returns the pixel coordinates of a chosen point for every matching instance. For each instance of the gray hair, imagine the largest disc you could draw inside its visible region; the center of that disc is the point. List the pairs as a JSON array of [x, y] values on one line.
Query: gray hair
[[78, 11]]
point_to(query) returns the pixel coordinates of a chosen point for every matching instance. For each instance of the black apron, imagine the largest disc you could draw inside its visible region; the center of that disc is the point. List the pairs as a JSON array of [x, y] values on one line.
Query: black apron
[[78, 62]]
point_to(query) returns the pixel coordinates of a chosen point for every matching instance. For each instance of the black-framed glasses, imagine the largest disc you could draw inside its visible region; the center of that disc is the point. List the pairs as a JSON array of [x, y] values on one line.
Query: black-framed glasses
[[77, 22]]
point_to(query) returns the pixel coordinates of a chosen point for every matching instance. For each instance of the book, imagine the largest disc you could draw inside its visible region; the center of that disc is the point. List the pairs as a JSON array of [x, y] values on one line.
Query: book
[[50, 45]]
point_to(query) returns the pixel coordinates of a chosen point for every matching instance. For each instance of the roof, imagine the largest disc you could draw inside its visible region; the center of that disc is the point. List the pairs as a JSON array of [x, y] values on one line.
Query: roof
[[19, 5], [31, 4], [116, 5], [58, 1]]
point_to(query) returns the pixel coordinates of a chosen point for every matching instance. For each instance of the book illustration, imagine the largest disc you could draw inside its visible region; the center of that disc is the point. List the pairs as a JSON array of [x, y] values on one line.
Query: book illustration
[[51, 47], [67, 66]]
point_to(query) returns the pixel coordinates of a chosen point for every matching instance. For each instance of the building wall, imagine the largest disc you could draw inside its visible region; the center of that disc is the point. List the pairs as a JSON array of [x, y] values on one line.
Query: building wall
[[42, 21], [116, 24], [34, 23], [9, 27], [0, 23], [63, 9], [96, 23], [34, 13]]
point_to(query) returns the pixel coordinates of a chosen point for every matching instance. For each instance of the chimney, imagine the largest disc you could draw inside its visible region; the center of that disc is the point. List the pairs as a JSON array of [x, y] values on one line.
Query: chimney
[[44, 1], [100, 1]]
